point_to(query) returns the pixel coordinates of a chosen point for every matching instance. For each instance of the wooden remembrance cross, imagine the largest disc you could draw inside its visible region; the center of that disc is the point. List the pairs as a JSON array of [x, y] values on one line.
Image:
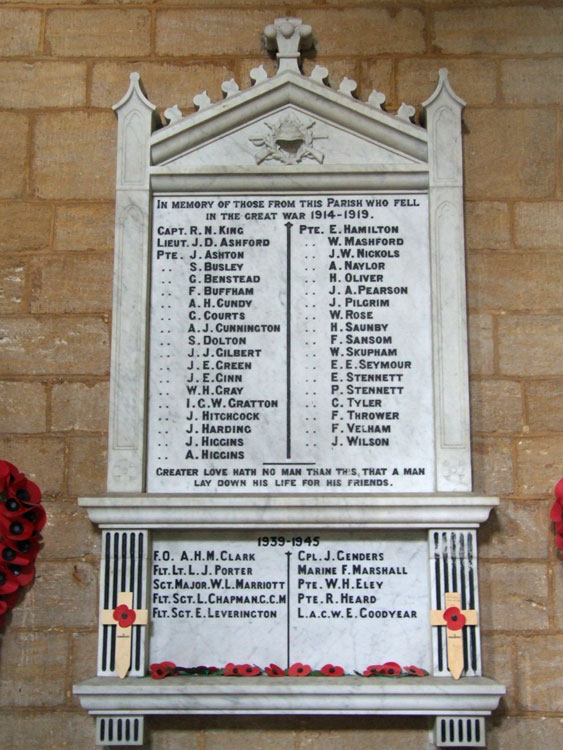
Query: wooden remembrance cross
[[454, 619], [123, 617]]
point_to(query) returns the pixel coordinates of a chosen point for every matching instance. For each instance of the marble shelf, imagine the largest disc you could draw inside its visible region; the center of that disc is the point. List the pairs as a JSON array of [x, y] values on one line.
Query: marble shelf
[[445, 510], [471, 696]]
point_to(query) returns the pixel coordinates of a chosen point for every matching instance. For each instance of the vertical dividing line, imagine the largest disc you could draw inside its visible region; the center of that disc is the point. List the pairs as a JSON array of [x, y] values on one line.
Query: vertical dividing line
[[288, 610], [288, 339]]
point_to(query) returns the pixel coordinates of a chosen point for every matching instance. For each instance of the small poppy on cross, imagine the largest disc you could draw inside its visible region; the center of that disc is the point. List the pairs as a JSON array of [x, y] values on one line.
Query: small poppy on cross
[[454, 619], [123, 616]]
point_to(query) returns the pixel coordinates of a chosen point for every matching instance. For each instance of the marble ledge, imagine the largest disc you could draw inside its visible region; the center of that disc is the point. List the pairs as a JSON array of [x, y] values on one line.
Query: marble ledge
[[423, 511], [442, 696]]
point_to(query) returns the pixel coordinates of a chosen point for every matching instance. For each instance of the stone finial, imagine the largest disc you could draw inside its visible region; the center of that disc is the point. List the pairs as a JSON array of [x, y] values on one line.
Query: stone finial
[[406, 112], [173, 114], [288, 36], [257, 75], [201, 101], [376, 99], [347, 86], [229, 88]]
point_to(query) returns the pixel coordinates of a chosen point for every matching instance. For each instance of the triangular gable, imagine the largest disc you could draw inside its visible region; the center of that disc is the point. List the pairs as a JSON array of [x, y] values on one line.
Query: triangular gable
[[344, 130]]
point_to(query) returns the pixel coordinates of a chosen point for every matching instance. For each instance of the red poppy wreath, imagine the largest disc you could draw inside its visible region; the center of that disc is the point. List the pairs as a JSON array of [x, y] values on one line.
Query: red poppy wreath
[[21, 519]]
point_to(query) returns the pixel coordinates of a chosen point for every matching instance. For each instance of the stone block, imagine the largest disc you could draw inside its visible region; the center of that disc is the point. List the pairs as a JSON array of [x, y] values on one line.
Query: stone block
[[261, 736], [74, 155], [501, 281], [354, 30], [24, 407], [98, 32], [531, 81], [63, 595], [481, 344], [525, 731], [511, 531], [79, 283], [498, 652], [84, 227], [84, 649], [487, 225], [540, 677], [110, 81], [48, 730], [40, 459], [32, 668], [376, 74], [539, 465], [20, 31], [544, 405], [539, 225], [496, 406], [42, 84], [492, 466], [514, 596], [523, 30], [13, 274], [176, 733], [87, 466], [13, 154], [54, 346], [25, 226], [530, 345], [509, 153], [473, 80], [339, 30], [68, 532], [80, 406], [365, 733]]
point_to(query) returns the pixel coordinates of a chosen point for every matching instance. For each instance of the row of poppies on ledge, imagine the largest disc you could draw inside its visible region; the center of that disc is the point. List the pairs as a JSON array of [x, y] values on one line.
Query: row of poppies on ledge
[[388, 669]]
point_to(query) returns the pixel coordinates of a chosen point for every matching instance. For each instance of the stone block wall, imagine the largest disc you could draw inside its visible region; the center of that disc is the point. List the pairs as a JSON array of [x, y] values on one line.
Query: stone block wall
[[63, 63]]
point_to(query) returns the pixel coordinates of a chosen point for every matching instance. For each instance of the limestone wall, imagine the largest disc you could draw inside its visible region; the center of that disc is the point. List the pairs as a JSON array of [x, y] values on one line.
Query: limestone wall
[[62, 65]]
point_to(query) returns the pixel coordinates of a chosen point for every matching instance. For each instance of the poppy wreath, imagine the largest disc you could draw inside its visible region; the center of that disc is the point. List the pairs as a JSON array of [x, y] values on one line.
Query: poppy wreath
[[556, 514], [164, 669], [21, 519]]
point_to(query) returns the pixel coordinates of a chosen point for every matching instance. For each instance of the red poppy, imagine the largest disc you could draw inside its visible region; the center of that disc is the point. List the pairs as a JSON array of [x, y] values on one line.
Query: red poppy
[[330, 670], [415, 671], [18, 553], [248, 670], [455, 620], [16, 528], [13, 508], [373, 669], [390, 668], [163, 669], [241, 670], [8, 581], [124, 616], [23, 573], [299, 670], [36, 514], [274, 671], [25, 490], [559, 541], [7, 472]]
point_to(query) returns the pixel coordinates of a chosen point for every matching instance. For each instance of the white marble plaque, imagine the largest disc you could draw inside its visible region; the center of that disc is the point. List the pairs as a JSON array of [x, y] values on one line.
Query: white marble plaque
[[346, 598], [290, 344]]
